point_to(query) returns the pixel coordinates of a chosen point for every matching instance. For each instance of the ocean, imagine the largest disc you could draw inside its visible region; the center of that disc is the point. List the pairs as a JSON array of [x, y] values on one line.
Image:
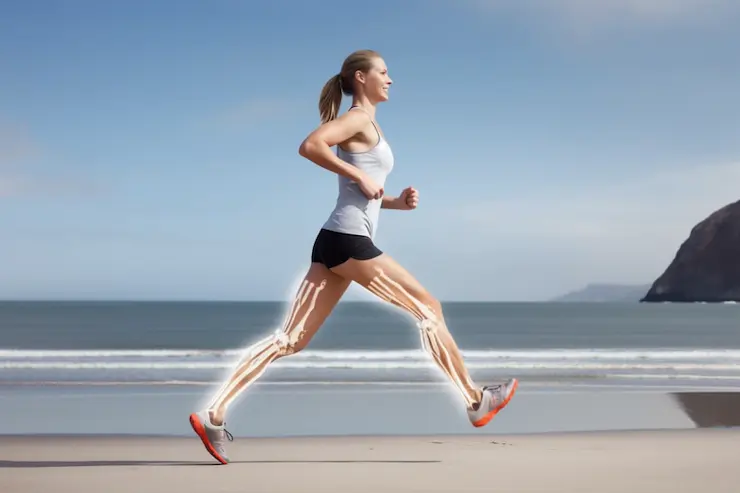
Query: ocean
[[141, 367], [196, 343]]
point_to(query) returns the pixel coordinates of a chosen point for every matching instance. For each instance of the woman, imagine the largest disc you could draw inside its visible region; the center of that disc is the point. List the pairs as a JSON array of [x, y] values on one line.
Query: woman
[[344, 252]]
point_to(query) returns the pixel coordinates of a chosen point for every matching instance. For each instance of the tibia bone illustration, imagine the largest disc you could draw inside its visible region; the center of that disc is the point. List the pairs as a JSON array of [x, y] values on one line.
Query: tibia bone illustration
[[280, 343], [429, 325]]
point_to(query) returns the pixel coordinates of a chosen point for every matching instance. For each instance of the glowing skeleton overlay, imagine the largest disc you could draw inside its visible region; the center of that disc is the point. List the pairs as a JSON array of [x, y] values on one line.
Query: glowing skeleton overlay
[[389, 290], [280, 343]]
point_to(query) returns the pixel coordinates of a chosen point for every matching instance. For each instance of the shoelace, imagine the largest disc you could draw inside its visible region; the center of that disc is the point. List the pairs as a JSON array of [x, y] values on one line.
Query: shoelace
[[229, 436], [495, 391], [493, 388]]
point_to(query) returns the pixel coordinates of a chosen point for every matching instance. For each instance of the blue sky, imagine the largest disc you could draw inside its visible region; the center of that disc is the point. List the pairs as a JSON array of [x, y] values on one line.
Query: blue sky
[[148, 150]]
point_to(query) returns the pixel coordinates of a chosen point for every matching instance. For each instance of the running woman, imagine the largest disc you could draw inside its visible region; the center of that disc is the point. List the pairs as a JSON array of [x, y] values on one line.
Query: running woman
[[344, 252]]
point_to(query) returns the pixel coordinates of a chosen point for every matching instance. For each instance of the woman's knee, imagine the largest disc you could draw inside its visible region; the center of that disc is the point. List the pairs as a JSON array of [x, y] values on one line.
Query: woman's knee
[[288, 343], [426, 299]]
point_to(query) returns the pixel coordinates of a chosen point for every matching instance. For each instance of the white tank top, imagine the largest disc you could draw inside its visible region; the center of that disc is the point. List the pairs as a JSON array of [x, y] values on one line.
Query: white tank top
[[354, 213]]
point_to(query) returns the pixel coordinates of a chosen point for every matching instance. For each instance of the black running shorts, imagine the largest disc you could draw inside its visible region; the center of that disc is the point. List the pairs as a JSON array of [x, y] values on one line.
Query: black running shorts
[[332, 248]]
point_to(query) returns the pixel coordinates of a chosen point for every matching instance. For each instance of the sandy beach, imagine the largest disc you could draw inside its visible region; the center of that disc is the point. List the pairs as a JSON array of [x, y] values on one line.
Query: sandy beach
[[640, 461]]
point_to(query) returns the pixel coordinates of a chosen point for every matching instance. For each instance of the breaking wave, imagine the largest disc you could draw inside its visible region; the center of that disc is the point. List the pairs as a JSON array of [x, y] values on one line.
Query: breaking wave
[[168, 365]]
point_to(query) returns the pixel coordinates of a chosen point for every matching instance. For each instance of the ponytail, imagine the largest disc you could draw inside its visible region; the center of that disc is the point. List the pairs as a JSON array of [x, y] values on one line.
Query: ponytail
[[330, 99]]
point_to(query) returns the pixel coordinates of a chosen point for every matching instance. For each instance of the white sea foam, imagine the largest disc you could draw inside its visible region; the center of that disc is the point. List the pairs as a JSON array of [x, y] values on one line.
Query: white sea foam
[[591, 360]]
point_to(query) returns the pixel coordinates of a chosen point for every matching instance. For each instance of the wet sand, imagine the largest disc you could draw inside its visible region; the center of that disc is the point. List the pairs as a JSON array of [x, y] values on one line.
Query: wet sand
[[639, 461]]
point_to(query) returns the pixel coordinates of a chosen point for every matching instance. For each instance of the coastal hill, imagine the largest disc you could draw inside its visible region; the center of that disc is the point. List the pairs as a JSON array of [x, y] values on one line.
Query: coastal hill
[[706, 267], [605, 293]]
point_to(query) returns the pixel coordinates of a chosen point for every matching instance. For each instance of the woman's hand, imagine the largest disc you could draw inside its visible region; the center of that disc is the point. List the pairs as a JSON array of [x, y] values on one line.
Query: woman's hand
[[371, 189], [409, 199]]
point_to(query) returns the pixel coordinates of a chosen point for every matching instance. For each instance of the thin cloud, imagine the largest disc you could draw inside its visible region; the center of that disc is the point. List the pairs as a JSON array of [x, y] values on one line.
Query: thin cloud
[[23, 175], [249, 113], [16, 145], [35, 185], [642, 10], [665, 202], [10, 186], [623, 232], [586, 14], [17, 148]]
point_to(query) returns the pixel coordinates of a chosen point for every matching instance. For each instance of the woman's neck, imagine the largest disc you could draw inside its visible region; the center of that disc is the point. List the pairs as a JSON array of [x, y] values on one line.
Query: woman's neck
[[365, 104]]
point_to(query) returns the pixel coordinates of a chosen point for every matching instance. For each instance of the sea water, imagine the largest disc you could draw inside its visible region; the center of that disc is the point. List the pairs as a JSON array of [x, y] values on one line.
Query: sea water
[[196, 343], [56, 352]]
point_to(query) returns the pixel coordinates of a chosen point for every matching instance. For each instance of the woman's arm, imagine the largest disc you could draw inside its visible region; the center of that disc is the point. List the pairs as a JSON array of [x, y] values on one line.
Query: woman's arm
[[317, 146], [390, 203]]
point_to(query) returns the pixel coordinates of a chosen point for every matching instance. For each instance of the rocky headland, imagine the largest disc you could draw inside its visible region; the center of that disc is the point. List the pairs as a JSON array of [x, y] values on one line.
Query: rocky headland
[[706, 267]]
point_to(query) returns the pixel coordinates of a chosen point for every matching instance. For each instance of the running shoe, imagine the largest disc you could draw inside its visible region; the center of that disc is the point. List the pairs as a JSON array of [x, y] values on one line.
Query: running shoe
[[213, 437], [494, 399]]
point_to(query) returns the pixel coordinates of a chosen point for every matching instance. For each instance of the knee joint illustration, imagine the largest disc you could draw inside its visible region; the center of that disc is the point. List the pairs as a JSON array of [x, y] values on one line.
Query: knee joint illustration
[[282, 342], [430, 327], [292, 333]]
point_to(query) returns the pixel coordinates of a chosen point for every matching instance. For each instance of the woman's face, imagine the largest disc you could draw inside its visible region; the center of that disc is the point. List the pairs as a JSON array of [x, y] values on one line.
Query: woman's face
[[376, 82]]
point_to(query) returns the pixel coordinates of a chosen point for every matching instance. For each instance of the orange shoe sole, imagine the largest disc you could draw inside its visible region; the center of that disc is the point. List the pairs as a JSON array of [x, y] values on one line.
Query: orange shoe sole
[[200, 430], [488, 417]]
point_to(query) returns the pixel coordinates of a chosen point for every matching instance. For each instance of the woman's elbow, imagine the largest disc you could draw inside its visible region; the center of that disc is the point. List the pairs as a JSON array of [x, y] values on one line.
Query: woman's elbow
[[307, 148]]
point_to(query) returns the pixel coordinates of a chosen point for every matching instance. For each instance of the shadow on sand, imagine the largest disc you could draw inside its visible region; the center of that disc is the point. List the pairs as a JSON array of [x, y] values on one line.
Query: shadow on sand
[[33, 464]]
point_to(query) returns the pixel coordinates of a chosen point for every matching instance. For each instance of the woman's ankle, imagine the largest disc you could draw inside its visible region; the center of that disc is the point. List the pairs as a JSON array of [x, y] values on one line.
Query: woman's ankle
[[216, 417], [477, 398]]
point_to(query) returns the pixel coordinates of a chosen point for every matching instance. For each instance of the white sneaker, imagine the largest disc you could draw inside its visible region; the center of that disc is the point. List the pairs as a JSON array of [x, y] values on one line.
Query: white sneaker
[[213, 437], [494, 398]]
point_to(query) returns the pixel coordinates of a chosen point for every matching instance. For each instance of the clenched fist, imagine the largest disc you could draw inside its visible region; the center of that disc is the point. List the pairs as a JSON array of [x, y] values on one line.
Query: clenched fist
[[409, 198]]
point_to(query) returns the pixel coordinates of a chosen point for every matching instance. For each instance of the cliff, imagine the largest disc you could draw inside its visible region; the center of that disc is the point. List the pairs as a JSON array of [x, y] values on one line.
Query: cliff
[[605, 293], [706, 267]]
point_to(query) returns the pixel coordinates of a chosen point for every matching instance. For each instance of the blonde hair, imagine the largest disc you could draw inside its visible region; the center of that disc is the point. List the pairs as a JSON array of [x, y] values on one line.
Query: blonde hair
[[331, 94]]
